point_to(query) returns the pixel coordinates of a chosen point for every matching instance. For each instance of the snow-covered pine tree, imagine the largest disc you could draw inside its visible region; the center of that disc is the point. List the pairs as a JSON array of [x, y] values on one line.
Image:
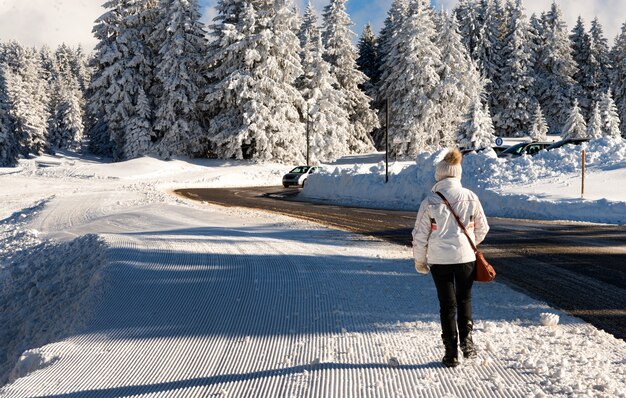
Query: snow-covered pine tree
[[554, 81], [329, 123], [409, 80], [233, 36], [396, 13], [585, 75], [67, 129], [366, 61], [48, 64], [139, 52], [471, 21], [309, 23], [460, 83], [618, 76], [28, 98], [178, 71], [104, 89], [601, 55], [256, 107], [476, 132], [594, 127], [139, 129], [66, 105], [342, 55], [488, 49], [539, 127], [537, 41], [9, 142], [575, 126], [513, 97], [79, 65], [610, 117]]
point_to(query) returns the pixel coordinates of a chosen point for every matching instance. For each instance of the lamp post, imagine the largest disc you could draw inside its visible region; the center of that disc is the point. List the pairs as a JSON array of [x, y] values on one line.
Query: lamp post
[[387, 140], [307, 135]]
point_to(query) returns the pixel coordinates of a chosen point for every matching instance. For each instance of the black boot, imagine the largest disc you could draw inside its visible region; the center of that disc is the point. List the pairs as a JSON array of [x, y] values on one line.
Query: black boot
[[451, 357], [467, 344]]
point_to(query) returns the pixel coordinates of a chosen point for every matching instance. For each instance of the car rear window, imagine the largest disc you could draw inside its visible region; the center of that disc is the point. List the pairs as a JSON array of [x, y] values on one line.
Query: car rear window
[[300, 169]]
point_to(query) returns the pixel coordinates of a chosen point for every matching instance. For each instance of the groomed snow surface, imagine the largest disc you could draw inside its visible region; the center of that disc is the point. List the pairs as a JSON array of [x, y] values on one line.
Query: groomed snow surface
[[110, 287]]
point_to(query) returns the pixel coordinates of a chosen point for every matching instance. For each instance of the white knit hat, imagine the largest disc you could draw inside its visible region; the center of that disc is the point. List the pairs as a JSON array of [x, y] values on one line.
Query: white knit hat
[[450, 166]]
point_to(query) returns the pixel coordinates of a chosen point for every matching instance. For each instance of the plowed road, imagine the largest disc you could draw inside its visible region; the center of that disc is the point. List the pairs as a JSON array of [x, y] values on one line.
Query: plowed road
[[579, 268]]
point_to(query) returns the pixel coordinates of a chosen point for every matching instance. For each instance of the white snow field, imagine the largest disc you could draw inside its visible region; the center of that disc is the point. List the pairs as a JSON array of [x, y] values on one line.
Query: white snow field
[[546, 186], [112, 287]]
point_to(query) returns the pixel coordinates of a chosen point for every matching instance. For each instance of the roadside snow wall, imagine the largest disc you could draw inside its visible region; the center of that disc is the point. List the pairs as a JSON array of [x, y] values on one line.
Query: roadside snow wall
[[45, 291], [485, 174]]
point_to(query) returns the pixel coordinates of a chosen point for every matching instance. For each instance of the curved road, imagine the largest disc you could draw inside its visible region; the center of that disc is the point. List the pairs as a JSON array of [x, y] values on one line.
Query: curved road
[[580, 268]]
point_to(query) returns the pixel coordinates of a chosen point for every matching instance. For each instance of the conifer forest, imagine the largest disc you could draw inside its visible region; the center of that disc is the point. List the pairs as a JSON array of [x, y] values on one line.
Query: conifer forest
[[264, 77]]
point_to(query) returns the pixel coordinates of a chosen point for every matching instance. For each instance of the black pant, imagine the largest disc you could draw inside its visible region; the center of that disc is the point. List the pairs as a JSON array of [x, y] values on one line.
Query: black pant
[[454, 289]]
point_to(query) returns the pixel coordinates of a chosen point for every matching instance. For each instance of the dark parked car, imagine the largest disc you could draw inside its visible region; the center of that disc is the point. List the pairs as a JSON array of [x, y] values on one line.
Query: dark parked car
[[298, 176], [568, 141], [524, 148]]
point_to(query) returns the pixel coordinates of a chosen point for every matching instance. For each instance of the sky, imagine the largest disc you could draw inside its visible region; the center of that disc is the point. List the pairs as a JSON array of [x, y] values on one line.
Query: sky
[[52, 22]]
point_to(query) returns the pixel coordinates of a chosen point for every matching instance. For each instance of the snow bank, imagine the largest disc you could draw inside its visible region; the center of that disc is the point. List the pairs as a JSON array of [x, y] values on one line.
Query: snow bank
[[489, 177], [43, 294]]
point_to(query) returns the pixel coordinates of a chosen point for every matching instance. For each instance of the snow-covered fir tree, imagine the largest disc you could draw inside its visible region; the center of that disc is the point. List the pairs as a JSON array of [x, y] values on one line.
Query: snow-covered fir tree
[[409, 80], [79, 64], [257, 111], [539, 127], [139, 129], [610, 117], [601, 54], [328, 126], [594, 127], [309, 24], [28, 98], [460, 83], [397, 12], [366, 61], [104, 89], [395, 15], [513, 98], [178, 72], [488, 52], [618, 76], [342, 55], [585, 75], [9, 143], [575, 126], [471, 21], [68, 128], [66, 100], [476, 132], [556, 68], [139, 51]]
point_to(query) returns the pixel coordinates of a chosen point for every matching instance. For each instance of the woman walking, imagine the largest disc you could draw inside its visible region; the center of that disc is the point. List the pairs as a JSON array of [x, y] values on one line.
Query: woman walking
[[439, 245]]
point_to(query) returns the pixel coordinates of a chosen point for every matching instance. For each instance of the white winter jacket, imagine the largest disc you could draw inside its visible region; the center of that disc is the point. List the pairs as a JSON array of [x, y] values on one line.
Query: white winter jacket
[[437, 237]]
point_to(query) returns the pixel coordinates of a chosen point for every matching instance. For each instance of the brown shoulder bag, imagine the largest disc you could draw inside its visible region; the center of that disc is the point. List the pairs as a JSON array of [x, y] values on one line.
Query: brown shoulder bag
[[484, 270]]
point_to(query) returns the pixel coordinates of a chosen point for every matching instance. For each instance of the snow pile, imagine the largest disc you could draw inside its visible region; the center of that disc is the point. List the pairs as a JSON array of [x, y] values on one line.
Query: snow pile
[[15, 234], [43, 291], [490, 177]]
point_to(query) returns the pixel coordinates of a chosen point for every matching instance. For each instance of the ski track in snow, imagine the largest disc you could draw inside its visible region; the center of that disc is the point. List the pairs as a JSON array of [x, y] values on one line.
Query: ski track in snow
[[203, 301]]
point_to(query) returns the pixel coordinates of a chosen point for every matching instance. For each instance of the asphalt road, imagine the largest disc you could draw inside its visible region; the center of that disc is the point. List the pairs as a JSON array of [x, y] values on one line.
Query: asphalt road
[[577, 267]]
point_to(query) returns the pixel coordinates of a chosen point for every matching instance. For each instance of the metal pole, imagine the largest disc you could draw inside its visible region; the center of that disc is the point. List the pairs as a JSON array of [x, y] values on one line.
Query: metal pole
[[584, 161], [386, 140], [307, 134]]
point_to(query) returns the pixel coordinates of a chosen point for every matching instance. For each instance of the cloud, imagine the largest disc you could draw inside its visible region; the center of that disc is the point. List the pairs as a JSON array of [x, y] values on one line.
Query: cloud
[[610, 13], [51, 22]]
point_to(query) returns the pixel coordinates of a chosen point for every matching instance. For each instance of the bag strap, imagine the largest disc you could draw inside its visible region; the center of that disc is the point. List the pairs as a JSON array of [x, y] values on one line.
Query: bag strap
[[458, 220]]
